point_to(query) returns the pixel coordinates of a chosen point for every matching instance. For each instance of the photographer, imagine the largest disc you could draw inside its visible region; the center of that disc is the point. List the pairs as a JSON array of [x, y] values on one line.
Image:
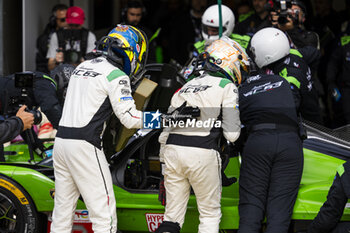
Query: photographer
[[33, 89], [56, 22], [290, 18], [40, 91], [13, 126], [72, 44]]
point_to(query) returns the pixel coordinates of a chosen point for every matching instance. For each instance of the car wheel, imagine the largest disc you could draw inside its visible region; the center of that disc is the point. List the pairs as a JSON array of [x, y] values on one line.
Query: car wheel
[[17, 211]]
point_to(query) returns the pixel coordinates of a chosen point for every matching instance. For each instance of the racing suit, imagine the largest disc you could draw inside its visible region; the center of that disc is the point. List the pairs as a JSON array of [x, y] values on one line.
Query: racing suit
[[295, 70], [272, 157], [190, 154], [96, 88], [327, 220]]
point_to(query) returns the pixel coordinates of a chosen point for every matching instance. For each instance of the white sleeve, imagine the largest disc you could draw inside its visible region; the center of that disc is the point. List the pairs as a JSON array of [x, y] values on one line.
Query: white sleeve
[[91, 42], [231, 123], [123, 104], [53, 46]]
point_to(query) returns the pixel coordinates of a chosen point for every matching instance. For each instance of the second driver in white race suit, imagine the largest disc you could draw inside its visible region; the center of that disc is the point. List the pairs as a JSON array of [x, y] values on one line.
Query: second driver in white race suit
[[190, 155], [96, 88]]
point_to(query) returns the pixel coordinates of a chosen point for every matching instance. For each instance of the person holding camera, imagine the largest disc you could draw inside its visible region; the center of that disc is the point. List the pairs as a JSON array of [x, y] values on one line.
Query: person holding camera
[[291, 20], [34, 89], [13, 126], [57, 21], [72, 44]]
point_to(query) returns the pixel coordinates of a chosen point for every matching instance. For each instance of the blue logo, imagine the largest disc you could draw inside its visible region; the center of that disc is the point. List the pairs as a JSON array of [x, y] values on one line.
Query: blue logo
[[126, 98], [151, 120]]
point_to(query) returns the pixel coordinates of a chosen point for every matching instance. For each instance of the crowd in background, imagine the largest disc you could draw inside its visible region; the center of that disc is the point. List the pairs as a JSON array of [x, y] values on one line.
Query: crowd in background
[[173, 26]]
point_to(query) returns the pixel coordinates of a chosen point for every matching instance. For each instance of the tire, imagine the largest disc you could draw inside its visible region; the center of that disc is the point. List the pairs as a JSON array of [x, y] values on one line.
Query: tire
[[17, 210]]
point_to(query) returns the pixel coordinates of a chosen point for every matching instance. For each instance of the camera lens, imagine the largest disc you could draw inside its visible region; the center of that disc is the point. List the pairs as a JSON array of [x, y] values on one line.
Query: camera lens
[[72, 57], [37, 116], [282, 20]]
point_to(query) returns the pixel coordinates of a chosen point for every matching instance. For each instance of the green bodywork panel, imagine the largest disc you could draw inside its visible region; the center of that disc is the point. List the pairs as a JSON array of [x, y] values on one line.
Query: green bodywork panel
[[36, 184], [18, 153], [318, 175], [132, 207]]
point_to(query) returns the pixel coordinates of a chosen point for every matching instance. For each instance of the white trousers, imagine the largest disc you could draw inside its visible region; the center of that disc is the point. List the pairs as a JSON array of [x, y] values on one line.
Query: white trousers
[[81, 168], [201, 169]]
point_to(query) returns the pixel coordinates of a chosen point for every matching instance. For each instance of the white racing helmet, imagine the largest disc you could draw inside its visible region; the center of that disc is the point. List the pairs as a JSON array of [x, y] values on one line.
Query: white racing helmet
[[210, 18], [230, 56], [269, 45]]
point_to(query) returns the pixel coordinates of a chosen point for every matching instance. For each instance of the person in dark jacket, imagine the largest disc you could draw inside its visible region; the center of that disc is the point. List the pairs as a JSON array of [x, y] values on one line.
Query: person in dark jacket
[[328, 218], [256, 21], [338, 78], [305, 41], [57, 21], [47, 92], [276, 57], [272, 157], [293, 25], [13, 126]]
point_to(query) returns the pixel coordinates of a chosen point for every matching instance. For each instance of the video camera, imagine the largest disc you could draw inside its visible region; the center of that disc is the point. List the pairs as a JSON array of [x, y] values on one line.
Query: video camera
[[23, 82], [72, 56], [281, 8]]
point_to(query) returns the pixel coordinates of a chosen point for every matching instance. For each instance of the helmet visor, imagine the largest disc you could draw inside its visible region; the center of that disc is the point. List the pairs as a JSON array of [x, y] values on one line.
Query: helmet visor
[[211, 31]]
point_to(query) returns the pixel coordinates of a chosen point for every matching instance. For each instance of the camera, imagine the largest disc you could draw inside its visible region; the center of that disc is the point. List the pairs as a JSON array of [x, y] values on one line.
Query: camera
[[23, 83], [281, 8], [71, 56]]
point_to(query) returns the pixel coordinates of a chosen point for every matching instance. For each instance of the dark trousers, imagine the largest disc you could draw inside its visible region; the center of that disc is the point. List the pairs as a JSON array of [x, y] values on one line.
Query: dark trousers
[[327, 219], [272, 165]]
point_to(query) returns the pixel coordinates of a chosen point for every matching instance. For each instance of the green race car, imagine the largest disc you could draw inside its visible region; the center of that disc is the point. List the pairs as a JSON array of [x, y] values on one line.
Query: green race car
[[26, 189]]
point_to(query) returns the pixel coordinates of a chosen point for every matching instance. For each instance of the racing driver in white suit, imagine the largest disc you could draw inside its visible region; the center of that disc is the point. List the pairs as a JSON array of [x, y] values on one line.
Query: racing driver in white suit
[[97, 87], [190, 155]]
